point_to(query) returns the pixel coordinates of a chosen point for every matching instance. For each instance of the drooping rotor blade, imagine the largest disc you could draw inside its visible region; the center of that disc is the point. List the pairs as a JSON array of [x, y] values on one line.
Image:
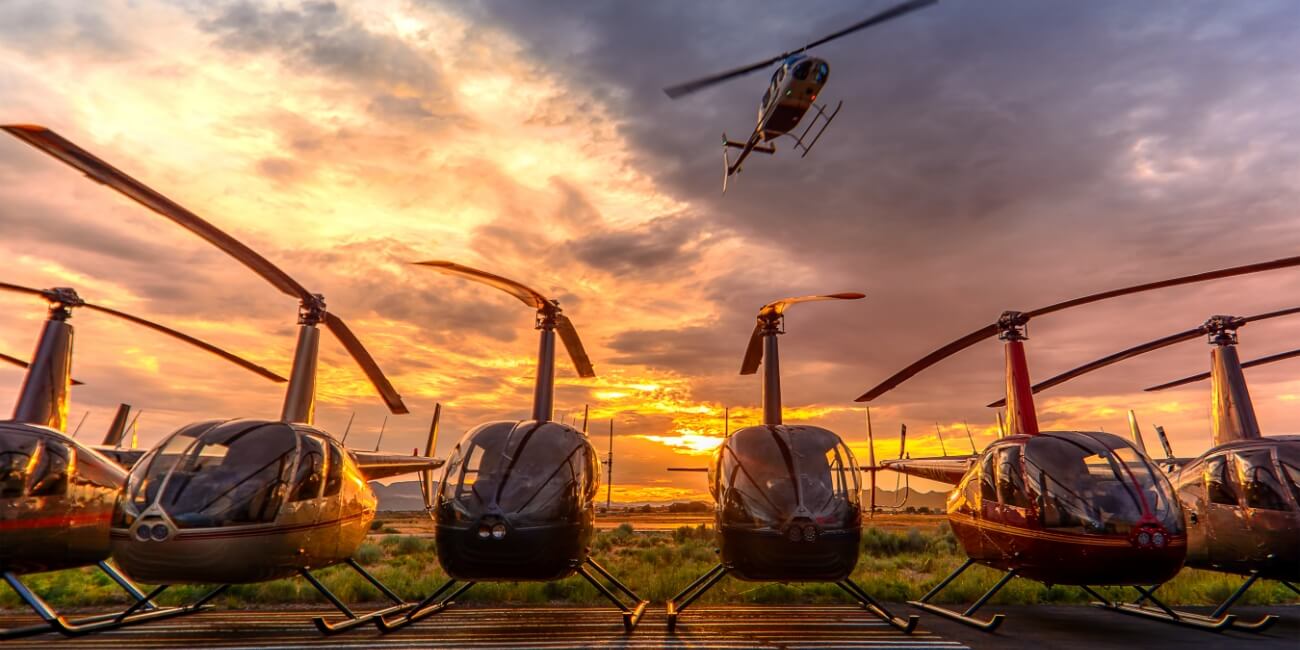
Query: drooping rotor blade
[[775, 309], [526, 295], [753, 352], [23, 364], [689, 87], [367, 363], [248, 365], [569, 335], [102, 172], [1281, 356], [989, 331], [1150, 346]]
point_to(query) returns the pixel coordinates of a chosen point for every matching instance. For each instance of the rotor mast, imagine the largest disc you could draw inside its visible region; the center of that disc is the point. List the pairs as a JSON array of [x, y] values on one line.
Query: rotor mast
[[300, 396], [544, 387], [772, 328], [1021, 416], [43, 398], [1231, 409]]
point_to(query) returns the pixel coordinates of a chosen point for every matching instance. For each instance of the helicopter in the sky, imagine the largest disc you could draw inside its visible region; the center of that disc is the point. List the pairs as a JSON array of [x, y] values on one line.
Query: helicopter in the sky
[[248, 500], [1079, 508], [786, 495], [1242, 496], [57, 494], [517, 497], [792, 90]]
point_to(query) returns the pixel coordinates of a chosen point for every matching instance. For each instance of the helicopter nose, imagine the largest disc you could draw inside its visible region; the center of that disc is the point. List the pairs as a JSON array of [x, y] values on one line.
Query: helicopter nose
[[152, 529]]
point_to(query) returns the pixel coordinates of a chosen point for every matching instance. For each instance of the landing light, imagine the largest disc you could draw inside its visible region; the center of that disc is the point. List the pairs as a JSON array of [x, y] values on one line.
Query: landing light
[[1144, 538], [793, 533], [484, 532], [142, 533], [158, 532], [1159, 539], [498, 531], [810, 533]]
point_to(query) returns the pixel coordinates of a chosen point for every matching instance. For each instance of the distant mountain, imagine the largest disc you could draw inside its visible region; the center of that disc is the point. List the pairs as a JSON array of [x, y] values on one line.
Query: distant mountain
[[405, 496]]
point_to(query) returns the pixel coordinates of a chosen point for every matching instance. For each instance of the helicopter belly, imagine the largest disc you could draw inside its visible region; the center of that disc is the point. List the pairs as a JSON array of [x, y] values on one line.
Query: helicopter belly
[[763, 556], [784, 117], [231, 555], [537, 553], [1263, 541], [1067, 559]]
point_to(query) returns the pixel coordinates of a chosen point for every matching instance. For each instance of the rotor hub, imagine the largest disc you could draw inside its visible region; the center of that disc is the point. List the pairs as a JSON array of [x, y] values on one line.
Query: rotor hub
[[1222, 329], [312, 312], [546, 316], [1012, 326]]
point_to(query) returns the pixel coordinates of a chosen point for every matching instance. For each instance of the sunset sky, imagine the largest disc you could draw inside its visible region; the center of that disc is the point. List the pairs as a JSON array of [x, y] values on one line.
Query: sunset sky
[[989, 156]]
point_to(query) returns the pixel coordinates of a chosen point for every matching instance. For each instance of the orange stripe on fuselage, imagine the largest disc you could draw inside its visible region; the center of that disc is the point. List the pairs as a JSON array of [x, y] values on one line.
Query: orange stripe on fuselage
[[1064, 538], [55, 521]]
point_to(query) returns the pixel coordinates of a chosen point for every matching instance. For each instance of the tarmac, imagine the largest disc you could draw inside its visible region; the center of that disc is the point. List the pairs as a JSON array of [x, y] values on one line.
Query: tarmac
[[723, 627]]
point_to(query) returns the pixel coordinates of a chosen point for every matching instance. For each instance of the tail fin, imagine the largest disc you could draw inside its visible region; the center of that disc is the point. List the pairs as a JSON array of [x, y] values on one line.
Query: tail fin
[[726, 163], [871, 460], [426, 476], [117, 429], [902, 442], [1136, 432]]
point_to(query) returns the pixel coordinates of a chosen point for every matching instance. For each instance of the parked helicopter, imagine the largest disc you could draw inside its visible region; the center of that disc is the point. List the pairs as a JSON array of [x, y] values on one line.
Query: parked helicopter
[[793, 89], [1242, 496], [786, 496], [517, 498], [57, 494], [1059, 507], [249, 500]]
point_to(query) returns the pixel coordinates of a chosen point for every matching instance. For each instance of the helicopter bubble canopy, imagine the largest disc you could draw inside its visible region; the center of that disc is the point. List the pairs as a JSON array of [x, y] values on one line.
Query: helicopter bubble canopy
[[772, 475], [217, 473], [33, 465]]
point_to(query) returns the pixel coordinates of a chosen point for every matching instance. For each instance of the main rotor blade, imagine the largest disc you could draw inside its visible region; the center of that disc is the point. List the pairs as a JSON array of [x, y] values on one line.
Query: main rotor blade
[[1281, 356], [778, 307], [753, 351], [23, 364], [367, 363], [102, 172], [525, 294], [247, 365], [17, 288], [1144, 348], [569, 335], [992, 330], [689, 87], [1129, 353]]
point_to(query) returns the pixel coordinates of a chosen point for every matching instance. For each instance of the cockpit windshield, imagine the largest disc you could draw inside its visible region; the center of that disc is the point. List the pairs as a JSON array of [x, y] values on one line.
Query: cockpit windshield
[[532, 472], [33, 466], [767, 473], [218, 474], [1095, 483]]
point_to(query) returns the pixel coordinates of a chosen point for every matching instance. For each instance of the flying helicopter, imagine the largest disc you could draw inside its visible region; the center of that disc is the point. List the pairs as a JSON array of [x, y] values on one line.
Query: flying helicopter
[[248, 500], [1076, 508], [786, 495], [1242, 496], [792, 91], [517, 497], [57, 494]]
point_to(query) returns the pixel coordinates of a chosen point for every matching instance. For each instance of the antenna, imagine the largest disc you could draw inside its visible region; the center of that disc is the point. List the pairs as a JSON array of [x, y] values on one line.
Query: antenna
[[902, 441], [381, 433], [586, 410], [1164, 441], [939, 433], [83, 421], [871, 460], [971, 438], [348, 429], [609, 468], [726, 422], [1002, 426], [135, 430]]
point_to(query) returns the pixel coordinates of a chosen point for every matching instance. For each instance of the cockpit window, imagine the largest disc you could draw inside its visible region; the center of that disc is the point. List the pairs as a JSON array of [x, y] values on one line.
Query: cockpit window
[[823, 71], [1259, 481], [757, 480], [310, 475], [237, 473], [989, 479], [801, 71], [334, 473], [1095, 483], [33, 466], [150, 472], [1220, 482], [1288, 458], [767, 473], [1011, 482]]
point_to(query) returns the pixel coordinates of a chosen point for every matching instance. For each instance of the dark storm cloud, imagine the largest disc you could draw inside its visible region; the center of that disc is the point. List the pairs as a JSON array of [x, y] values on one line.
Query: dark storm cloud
[[988, 156], [690, 350], [663, 246], [323, 38], [39, 28]]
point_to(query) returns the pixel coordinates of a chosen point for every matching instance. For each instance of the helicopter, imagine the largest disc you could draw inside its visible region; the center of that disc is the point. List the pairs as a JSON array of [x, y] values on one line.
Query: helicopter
[[517, 498], [1078, 508], [57, 494], [1242, 496], [249, 500], [792, 91], [786, 496]]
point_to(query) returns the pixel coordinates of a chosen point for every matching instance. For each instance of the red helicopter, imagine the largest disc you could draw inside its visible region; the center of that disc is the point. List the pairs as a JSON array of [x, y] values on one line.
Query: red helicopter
[[1077, 508], [1242, 496]]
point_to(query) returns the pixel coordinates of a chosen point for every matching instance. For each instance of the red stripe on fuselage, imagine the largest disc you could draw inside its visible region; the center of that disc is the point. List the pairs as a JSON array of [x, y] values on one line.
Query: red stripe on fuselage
[[55, 521]]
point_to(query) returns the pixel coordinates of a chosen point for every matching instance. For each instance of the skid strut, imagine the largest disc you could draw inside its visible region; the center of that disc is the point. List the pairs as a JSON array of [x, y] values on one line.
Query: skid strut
[[683, 599], [966, 617], [1216, 621], [140, 611], [631, 612], [904, 625], [351, 619]]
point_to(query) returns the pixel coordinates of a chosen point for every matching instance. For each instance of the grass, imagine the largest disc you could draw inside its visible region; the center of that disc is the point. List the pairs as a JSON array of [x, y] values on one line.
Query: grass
[[897, 564]]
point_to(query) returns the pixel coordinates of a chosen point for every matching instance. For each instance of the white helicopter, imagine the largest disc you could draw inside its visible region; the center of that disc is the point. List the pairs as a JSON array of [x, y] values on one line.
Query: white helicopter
[[792, 91]]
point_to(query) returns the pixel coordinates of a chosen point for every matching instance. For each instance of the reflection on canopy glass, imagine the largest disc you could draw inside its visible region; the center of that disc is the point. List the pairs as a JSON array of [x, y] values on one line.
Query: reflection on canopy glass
[[767, 473]]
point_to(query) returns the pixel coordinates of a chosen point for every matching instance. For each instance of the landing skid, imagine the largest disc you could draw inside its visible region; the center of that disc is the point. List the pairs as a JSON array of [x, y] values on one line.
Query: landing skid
[[677, 604], [351, 619], [967, 617], [141, 611], [445, 596], [1216, 621]]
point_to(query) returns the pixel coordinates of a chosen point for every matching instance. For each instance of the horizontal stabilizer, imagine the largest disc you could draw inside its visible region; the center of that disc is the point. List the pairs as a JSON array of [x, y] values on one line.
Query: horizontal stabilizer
[[376, 465]]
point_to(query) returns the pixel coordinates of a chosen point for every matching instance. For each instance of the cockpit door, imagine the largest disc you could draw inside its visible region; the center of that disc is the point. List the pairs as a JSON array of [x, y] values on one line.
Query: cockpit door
[[304, 505], [1226, 528], [1267, 501]]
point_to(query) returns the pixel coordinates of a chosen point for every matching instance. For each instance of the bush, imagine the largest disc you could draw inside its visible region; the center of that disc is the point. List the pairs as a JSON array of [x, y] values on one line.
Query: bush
[[369, 554]]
